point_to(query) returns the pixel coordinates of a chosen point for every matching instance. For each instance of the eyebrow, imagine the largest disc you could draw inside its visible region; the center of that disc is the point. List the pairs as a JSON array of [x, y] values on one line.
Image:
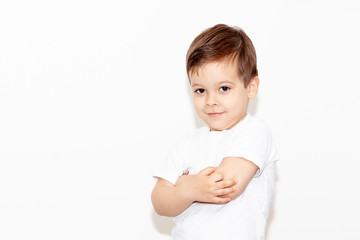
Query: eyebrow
[[195, 85], [228, 82], [219, 83]]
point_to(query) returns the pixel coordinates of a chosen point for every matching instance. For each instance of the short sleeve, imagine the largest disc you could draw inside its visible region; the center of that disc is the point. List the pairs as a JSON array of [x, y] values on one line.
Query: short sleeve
[[171, 168], [254, 143]]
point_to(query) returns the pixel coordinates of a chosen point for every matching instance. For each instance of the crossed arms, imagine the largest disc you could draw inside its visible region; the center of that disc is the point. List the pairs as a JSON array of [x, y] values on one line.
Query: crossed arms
[[211, 185]]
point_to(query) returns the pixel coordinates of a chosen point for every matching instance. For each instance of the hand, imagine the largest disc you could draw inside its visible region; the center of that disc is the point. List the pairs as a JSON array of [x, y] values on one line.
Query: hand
[[206, 186]]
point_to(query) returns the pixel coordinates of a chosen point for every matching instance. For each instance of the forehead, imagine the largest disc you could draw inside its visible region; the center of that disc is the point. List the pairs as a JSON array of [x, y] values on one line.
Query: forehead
[[213, 72]]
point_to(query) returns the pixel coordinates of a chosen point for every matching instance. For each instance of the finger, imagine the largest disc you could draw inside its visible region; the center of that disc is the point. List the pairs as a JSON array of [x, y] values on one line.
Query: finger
[[221, 200], [216, 177], [225, 183], [207, 171], [225, 191]]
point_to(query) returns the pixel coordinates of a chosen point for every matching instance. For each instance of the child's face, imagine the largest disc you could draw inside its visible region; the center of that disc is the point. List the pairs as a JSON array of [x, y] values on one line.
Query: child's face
[[219, 95]]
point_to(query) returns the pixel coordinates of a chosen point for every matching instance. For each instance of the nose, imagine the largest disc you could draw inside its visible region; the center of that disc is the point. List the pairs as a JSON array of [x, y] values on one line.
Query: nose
[[211, 99]]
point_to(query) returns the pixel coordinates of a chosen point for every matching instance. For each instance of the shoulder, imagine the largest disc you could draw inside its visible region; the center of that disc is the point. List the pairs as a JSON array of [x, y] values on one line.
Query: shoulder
[[253, 141]]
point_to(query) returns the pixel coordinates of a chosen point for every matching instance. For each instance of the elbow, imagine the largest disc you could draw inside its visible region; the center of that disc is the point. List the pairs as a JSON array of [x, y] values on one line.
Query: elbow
[[239, 190], [160, 207], [156, 204], [163, 212], [158, 211]]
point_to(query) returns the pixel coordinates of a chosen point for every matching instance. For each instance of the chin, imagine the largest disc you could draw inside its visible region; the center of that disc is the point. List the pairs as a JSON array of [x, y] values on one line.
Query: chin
[[216, 128]]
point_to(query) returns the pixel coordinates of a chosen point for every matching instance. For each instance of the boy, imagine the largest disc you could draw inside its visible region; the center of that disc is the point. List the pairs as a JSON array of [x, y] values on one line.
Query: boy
[[218, 182]]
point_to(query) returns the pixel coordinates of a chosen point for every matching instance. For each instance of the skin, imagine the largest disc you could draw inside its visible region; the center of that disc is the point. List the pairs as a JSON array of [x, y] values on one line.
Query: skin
[[221, 100], [206, 186]]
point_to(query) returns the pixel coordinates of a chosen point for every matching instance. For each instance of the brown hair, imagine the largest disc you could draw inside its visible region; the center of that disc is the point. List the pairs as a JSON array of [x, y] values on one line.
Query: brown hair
[[219, 43]]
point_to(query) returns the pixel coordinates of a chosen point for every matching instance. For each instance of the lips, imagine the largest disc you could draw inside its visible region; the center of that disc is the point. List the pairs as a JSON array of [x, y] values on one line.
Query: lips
[[215, 114]]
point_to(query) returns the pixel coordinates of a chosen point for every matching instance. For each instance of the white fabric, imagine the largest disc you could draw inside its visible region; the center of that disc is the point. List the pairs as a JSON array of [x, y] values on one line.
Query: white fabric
[[243, 218]]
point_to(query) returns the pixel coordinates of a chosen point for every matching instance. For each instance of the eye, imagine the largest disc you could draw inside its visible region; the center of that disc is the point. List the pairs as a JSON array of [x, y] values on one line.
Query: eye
[[224, 89], [200, 90]]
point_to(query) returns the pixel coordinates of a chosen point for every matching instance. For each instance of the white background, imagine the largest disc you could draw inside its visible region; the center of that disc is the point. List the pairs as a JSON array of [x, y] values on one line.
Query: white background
[[92, 94]]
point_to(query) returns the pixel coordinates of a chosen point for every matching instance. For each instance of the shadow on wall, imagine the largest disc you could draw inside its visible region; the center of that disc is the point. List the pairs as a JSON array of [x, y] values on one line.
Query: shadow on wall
[[253, 103], [162, 224]]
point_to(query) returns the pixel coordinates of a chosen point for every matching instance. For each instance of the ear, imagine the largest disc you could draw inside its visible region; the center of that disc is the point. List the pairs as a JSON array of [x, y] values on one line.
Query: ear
[[253, 87]]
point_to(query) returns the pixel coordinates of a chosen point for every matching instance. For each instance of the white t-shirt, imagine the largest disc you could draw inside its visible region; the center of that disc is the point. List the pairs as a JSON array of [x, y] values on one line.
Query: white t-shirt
[[245, 217]]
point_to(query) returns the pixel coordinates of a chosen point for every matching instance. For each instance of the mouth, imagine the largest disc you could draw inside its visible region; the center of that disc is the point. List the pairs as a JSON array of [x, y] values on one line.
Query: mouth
[[215, 114]]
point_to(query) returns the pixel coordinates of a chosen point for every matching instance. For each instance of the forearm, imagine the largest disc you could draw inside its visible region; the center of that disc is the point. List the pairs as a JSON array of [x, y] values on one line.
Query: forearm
[[206, 186], [169, 200], [239, 168]]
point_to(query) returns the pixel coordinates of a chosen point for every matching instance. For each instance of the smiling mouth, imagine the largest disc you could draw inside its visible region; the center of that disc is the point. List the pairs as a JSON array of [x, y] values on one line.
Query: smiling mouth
[[215, 114]]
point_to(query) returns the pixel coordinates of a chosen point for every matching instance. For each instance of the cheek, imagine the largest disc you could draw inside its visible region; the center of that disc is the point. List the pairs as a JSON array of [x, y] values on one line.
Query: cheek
[[197, 103], [230, 103], [235, 104]]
